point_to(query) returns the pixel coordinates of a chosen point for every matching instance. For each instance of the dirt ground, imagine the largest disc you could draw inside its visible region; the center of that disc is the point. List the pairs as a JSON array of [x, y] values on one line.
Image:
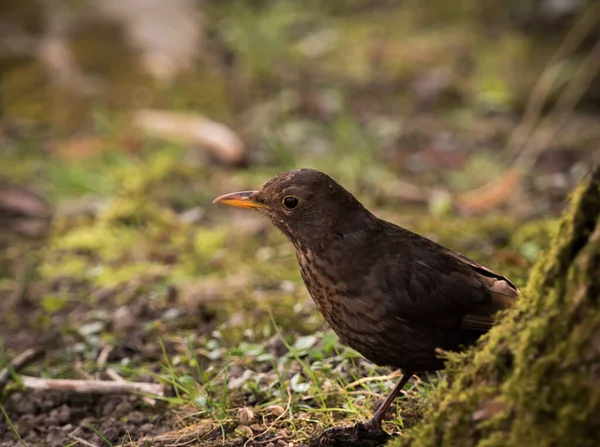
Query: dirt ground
[[55, 419]]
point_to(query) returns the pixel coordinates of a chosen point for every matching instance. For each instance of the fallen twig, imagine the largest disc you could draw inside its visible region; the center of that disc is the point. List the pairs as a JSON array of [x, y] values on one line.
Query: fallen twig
[[223, 142], [82, 441], [103, 356], [17, 363], [178, 438], [113, 375], [91, 386], [394, 375]]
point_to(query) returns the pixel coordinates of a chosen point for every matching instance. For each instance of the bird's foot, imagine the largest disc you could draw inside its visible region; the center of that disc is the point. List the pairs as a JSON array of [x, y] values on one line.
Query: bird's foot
[[364, 434], [371, 426]]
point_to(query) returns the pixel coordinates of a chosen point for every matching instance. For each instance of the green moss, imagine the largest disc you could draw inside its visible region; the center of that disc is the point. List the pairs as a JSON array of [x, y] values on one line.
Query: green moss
[[531, 238], [532, 381], [69, 267], [208, 240]]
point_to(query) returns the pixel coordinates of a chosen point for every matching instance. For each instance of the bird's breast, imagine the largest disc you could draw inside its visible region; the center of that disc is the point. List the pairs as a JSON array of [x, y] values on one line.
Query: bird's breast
[[340, 298], [320, 280]]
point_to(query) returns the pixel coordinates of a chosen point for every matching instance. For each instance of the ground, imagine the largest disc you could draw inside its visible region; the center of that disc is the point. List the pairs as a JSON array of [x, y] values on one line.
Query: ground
[[139, 273]]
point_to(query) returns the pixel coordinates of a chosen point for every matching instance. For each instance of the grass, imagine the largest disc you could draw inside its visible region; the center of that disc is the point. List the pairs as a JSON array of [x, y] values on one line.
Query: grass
[[315, 383], [11, 426]]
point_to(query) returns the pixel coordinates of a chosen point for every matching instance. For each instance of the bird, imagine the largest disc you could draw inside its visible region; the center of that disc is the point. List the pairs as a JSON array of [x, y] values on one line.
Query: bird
[[394, 296]]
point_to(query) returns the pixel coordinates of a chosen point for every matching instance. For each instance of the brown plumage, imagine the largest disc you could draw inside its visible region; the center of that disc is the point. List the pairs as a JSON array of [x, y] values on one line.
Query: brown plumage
[[388, 293]]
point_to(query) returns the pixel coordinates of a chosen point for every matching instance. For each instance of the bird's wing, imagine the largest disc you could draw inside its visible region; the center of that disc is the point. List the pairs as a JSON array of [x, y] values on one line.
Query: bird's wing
[[442, 288]]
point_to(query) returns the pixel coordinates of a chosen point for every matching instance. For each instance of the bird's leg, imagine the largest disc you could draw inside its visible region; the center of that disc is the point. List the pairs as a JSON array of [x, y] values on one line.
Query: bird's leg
[[372, 428], [375, 422]]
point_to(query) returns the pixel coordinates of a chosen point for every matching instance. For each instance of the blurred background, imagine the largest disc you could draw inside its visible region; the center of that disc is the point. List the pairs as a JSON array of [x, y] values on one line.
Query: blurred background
[[469, 122]]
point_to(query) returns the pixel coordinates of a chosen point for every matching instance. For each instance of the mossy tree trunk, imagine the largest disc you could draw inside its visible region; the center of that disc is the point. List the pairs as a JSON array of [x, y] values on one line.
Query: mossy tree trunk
[[535, 378]]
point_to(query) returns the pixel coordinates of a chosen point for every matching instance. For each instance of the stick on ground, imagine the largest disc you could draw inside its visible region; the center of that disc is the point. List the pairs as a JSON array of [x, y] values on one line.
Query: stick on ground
[[113, 375], [91, 386], [17, 363]]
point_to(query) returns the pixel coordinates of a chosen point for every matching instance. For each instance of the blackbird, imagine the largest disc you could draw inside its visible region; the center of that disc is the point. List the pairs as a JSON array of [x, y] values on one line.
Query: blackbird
[[392, 295]]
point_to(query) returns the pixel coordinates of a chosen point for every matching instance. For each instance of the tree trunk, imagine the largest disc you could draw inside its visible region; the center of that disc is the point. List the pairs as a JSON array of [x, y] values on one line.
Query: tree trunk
[[535, 378]]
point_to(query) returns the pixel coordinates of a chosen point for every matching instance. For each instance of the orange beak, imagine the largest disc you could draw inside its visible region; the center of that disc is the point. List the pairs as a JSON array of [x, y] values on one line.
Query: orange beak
[[239, 200]]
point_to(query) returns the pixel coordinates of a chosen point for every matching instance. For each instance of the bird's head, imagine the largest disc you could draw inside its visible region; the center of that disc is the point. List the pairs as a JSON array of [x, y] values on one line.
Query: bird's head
[[304, 204]]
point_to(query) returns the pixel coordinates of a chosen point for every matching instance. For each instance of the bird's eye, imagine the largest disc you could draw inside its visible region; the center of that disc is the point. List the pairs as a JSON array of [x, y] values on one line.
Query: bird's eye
[[290, 202]]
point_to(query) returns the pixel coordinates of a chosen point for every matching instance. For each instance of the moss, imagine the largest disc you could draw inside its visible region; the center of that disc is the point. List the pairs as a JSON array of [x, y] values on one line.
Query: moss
[[532, 237], [534, 379], [208, 240]]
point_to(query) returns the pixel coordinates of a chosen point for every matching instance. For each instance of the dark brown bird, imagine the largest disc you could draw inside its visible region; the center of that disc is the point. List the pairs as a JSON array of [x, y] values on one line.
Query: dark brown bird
[[388, 293]]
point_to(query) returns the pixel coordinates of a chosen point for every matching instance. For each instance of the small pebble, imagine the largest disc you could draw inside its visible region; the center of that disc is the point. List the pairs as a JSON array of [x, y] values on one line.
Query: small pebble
[[135, 417], [275, 410], [120, 410], [61, 415], [146, 428], [245, 415], [235, 371]]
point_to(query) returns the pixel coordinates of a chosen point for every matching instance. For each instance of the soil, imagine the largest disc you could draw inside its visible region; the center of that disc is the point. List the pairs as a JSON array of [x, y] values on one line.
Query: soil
[[48, 418], [354, 436], [57, 419]]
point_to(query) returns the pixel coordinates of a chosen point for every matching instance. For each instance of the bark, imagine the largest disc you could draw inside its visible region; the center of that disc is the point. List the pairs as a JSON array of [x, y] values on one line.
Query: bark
[[535, 378]]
